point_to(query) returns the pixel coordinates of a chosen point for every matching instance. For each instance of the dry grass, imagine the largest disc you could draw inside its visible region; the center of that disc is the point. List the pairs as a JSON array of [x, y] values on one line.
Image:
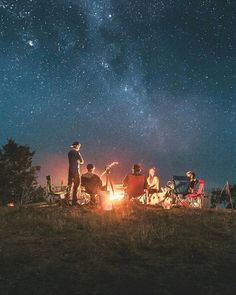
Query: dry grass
[[146, 251]]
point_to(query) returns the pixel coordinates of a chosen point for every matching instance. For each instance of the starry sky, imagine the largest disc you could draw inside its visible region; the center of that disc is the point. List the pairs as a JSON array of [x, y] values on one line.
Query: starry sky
[[148, 81]]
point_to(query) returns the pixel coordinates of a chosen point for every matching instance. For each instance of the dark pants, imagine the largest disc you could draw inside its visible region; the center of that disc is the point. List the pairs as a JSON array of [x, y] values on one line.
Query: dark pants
[[75, 180]]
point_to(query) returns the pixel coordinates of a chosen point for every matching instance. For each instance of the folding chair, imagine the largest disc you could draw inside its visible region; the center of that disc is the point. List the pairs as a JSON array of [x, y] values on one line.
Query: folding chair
[[53, 193], [92, 187], [181, 184], [135, 187], [195, 199], [180, 190]]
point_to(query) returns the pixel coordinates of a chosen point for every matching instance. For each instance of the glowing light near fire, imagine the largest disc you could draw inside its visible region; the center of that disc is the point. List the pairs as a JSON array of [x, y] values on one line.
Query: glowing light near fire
[[116, 196]]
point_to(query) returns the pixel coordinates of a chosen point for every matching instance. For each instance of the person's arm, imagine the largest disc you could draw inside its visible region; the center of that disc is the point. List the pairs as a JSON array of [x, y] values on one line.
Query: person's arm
[[80, 158], [125, 181], [99, 182], [157, 182], [82, 180]]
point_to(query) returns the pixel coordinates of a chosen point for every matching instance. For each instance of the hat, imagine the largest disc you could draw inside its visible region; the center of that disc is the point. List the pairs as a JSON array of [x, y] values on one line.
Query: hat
[[75, 143]]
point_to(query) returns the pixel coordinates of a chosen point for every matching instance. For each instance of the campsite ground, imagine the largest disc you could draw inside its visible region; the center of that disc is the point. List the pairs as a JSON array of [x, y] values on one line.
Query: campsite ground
[[124, 251]]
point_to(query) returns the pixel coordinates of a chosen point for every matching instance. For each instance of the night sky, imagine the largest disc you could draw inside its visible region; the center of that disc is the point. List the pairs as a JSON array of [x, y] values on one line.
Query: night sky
[[133, 80]]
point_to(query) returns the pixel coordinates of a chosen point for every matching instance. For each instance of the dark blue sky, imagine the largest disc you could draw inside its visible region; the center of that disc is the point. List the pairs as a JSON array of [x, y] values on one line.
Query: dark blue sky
[[135, 81]]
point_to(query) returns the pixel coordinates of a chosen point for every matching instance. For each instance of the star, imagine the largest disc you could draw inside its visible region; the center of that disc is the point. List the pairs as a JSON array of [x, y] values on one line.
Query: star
[[30, 43]]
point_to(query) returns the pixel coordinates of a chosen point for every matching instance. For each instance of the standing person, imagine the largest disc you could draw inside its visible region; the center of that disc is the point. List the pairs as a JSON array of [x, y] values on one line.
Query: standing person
[[153, 184], [75, 160]]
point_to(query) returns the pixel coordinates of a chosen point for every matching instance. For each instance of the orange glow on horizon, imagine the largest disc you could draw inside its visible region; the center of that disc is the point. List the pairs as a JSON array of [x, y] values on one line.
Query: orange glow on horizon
[[116, 196], [56, 165]]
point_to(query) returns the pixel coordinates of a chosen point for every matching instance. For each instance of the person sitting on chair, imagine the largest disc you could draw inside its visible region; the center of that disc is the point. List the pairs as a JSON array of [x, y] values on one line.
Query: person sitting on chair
[[135, 183], [153, 183], [91, 182], [192, 181]]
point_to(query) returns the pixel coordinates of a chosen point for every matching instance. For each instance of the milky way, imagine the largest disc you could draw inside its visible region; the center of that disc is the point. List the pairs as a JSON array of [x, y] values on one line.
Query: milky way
[[135, 81]]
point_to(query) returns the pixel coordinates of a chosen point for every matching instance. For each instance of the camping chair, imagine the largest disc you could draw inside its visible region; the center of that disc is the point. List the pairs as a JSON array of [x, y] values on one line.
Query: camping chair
[[179, 190], [135, 187], [92, 187], [53, 193], [195, 199], [181, 184]]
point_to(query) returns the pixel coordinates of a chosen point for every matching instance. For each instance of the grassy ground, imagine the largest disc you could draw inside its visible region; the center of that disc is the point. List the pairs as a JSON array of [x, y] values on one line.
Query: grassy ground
[[125, 251]]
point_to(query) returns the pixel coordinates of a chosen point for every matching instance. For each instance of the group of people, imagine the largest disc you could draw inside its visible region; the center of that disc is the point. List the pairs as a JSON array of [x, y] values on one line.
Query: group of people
[[135, 183], [90, 181]]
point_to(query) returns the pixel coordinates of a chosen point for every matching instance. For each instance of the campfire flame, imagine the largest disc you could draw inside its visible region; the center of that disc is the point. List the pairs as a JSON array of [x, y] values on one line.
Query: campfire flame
[[116, 196]]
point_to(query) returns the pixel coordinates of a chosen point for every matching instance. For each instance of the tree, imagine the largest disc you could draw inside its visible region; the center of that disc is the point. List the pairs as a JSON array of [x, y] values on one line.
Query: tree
[[17, 175]]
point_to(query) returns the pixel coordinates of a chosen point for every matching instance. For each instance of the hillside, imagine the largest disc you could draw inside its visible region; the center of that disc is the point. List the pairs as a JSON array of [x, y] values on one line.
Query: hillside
[[132, 250]]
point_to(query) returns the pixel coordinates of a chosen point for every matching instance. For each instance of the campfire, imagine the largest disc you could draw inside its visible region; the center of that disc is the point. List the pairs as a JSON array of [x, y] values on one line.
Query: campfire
[[116, 196], [118, 193]]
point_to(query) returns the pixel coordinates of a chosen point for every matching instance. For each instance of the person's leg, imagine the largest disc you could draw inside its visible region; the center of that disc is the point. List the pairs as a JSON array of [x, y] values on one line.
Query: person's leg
[[76, 180], [70, 177], [69, 187]]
